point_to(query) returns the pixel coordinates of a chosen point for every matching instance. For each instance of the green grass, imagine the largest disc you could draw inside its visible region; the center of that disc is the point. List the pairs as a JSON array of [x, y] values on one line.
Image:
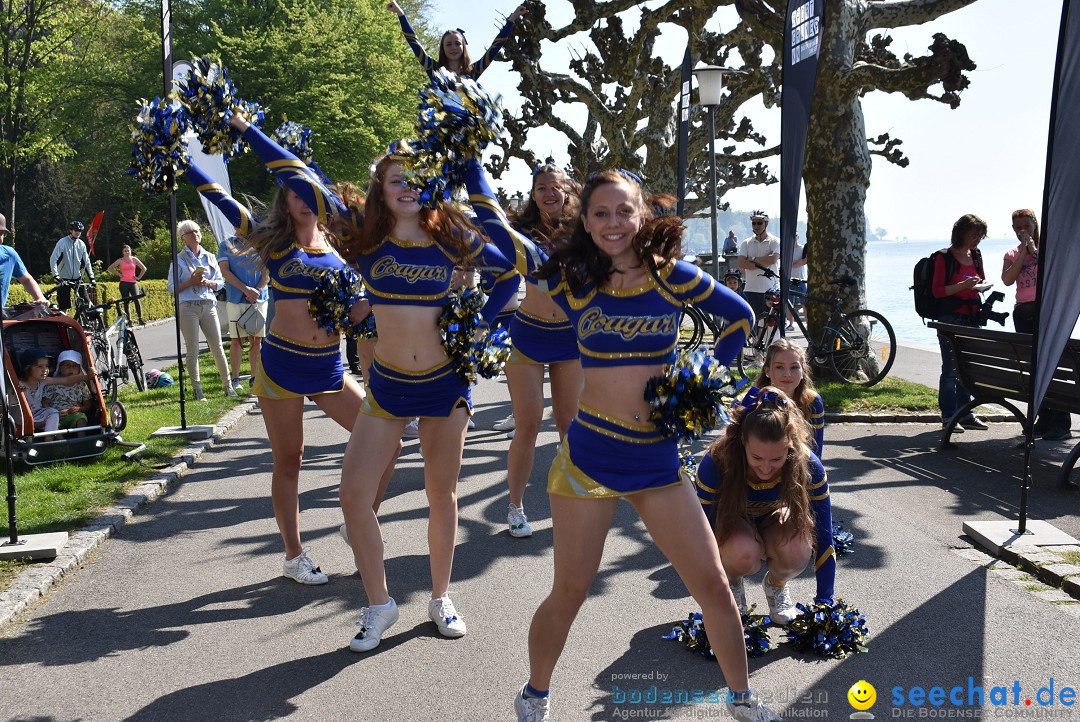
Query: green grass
[[65, 496], [891, 394], [1070, 557]]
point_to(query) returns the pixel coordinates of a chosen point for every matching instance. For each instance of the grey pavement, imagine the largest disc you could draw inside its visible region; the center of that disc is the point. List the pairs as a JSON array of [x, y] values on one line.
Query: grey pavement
[[184, 613]]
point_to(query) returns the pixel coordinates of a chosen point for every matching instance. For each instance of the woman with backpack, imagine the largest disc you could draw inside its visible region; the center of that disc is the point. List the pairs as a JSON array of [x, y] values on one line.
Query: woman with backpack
[[957, 272]]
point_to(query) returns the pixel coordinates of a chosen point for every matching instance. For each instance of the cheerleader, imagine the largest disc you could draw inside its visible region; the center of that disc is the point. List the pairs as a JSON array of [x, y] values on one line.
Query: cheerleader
[[618, 282], [542, 337], [785, 368], [768, 497], [453, 48], [299, 359]]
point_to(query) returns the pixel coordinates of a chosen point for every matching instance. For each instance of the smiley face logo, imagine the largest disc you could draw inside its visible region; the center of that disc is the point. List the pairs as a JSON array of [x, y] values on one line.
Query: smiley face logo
[[862, 695]]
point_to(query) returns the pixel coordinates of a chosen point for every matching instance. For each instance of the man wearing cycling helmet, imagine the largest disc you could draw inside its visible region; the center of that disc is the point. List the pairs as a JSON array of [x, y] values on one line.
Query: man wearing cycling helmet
[[761, 249], [11, 266], [68, 261]]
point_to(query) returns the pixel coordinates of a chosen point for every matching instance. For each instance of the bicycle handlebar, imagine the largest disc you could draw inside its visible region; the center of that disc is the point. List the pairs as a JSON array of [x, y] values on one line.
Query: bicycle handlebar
[[845, 280]]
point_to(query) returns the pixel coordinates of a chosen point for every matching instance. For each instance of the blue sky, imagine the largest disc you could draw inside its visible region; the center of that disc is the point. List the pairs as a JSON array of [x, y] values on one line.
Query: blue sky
[[986, 157]]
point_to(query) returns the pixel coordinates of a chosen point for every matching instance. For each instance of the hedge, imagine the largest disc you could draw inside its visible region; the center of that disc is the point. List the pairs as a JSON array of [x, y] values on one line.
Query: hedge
[[157, 303]]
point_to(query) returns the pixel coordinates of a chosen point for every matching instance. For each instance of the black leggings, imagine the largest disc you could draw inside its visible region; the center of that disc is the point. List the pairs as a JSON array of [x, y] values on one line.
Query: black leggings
[[129, 292]]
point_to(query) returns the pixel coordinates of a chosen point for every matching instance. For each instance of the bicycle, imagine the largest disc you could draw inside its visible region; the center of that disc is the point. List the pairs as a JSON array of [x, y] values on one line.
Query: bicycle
[[858, 346], [120, 350]]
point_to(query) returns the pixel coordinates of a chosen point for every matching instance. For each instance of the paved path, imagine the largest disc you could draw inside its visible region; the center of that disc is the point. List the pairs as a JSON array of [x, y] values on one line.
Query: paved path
[[184, 615]]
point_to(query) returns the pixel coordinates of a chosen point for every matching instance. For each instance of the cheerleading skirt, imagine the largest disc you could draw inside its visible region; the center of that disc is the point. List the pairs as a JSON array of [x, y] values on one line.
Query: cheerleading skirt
[[395, 393], [603, 457], [291, 369], [538, 340], [503, 319]]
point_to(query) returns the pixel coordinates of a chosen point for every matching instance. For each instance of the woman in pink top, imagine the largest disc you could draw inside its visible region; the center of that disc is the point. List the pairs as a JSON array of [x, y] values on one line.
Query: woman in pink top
[[1022, 268], [131, 271]]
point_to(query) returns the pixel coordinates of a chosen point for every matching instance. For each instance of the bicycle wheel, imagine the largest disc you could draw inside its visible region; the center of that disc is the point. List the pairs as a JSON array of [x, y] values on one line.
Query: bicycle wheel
[[752, 358], [99, 347], [134, 359], [691, 329], [865, 348]]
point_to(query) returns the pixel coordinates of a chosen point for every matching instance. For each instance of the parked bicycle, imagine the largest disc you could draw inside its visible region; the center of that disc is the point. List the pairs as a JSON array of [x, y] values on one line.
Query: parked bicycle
[[858, 346], [119, 350]]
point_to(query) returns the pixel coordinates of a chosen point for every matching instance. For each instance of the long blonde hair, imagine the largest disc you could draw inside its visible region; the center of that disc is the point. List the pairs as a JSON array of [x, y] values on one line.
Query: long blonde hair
[[804, 393], [772, 418]]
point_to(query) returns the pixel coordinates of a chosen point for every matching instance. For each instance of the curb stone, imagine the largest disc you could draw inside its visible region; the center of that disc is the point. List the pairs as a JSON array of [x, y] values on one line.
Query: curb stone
[[39, 578], [1041, 563]]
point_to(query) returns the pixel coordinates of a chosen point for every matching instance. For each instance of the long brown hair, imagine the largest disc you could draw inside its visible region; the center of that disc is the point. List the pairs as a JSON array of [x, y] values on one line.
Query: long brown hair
[[275, 230], [581, 262], [531, 219], [1028, 213], [446, 224], [804, 393], [465, 63], [771, 420]]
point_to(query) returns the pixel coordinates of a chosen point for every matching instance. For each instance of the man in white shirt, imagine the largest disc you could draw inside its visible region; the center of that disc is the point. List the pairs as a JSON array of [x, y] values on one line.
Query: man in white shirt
[[761, 249]]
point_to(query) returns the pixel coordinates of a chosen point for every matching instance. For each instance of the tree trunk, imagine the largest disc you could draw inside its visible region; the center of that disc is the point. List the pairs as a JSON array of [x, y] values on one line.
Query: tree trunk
[[837, 172]]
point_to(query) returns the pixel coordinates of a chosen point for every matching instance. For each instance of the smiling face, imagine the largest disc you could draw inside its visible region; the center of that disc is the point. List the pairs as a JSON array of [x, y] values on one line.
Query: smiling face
[[612, 220], [301, 215], [401, 200], [765, 459], [548, 194], [785, 371], [862, 695], [453, 45]]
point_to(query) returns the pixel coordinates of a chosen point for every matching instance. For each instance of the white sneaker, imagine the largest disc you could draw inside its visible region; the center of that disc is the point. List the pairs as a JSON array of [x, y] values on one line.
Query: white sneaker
[[446, 617], [412, 429], [510, 433], [738, 590], [532, 709], [472, 424], [506, 424], [753, 710], [230, 391], [518, 522], [374, 621], [197, 392], [781, 608], [301, 569], [343, 530]]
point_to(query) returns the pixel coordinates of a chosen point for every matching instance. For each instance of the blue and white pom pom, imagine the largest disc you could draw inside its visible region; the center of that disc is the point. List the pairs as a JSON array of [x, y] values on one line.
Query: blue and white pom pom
[[159, 153], [336, 291], [829, 630], [457, 119], [366, 330], [687, 399], [294, 138], [843, 541], [211, 100], [692, 634], [474, 350]]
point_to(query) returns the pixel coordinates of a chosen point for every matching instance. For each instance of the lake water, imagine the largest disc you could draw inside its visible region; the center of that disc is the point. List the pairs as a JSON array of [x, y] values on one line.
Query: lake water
[[889, 267]]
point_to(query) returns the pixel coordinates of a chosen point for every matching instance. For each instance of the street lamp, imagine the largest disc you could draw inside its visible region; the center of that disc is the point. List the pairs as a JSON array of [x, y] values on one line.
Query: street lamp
[[710, 83]]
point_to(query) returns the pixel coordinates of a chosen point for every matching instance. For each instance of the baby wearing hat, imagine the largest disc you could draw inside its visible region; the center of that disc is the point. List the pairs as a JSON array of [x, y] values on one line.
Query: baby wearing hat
[[71, 401]]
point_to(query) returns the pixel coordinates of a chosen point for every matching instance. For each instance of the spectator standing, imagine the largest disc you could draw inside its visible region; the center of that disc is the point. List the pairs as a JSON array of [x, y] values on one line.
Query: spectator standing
[[798, 271], [68, 262], [1022, 268], [760, 249], [11, 266], [131, 270], [245, 286], [199, 278]]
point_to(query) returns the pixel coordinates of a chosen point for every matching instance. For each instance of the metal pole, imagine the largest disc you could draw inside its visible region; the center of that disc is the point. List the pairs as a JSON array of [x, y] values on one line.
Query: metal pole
[[167, 75], [712, 194]]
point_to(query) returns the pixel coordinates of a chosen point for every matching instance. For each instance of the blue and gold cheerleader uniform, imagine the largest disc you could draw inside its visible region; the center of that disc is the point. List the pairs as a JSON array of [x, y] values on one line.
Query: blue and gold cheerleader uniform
[[763, 499], [601, 456], [404, 273], [816, 419], [431, 64], [536, 340], [289, 368]]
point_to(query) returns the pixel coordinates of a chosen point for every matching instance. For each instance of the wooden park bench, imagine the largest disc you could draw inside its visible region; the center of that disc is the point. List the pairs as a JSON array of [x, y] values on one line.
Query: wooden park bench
[[995, 368]]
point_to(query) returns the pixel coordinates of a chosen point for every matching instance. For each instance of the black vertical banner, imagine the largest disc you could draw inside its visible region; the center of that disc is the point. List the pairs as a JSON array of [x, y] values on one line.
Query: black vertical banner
[[803, 28], [684, 128], [1059, 245]]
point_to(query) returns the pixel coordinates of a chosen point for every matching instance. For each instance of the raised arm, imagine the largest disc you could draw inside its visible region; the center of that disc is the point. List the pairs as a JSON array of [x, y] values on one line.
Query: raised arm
[[410, 37], [238, 214], [292, 171], [488, 257], [525, 254], [497, 44]]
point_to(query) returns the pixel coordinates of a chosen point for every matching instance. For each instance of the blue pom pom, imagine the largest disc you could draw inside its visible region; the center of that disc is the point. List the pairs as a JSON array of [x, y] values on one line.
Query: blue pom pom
[[687, 399], [159, 153], [211, 100], [830, 630]]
